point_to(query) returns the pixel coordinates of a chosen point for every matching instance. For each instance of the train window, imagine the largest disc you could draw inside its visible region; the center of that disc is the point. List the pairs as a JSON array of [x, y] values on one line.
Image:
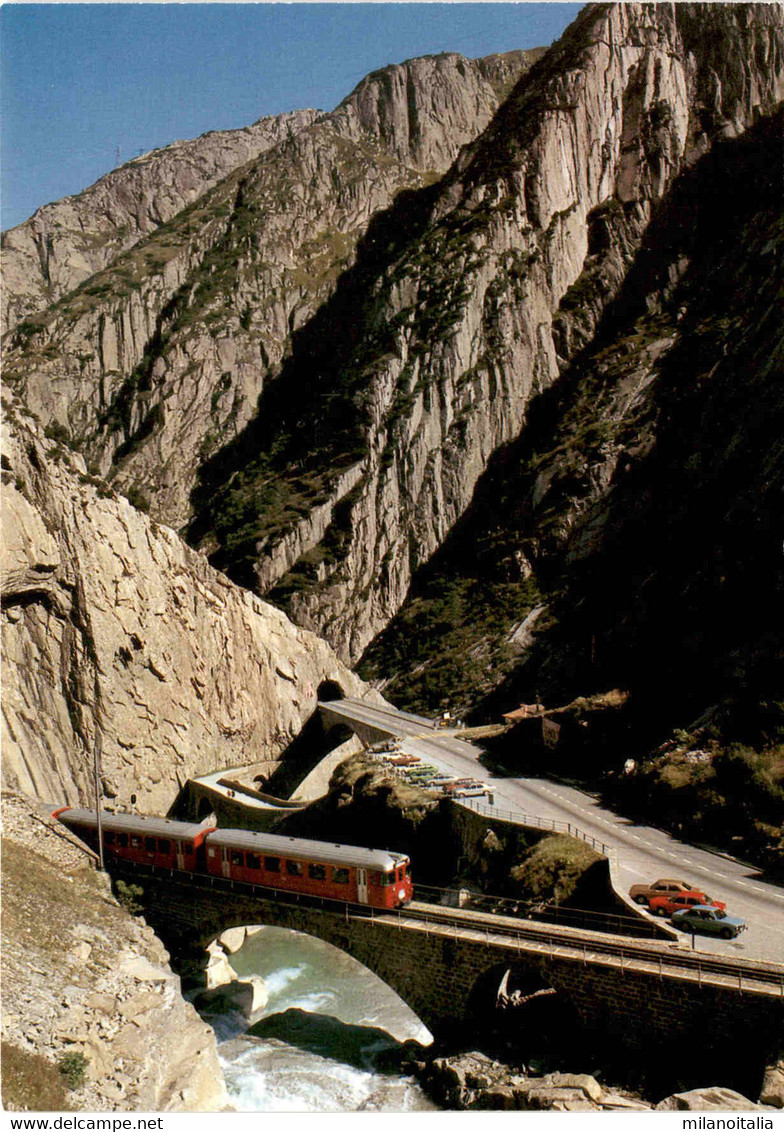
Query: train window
[[164, 845], [272, 864], [294, 868], [108, 838], [317, 872], [136, 842], [122, 840], [237, 858], [340, 876], [149, 844], [252, 861]]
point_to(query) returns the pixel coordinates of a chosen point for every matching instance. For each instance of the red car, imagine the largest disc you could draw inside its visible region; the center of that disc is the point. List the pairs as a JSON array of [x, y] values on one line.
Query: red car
[[681, 901]]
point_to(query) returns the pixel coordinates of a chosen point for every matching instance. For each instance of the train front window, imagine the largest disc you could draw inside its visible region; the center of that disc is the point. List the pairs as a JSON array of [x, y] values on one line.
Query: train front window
[[294, 868], [382, 880], [340, 876]]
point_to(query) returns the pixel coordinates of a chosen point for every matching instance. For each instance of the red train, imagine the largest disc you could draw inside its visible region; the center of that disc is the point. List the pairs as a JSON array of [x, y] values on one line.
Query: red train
[[377, 877]]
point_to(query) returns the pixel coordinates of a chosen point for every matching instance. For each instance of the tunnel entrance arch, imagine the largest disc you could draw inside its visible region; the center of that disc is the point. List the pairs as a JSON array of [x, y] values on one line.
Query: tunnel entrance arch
[[328, 691]]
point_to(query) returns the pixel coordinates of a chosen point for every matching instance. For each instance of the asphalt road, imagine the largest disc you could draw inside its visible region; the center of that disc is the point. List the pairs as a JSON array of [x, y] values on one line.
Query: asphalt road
[[642, 853]]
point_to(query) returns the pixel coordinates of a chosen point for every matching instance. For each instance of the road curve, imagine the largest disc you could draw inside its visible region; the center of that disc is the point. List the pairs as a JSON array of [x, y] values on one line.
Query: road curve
[[641, 852]]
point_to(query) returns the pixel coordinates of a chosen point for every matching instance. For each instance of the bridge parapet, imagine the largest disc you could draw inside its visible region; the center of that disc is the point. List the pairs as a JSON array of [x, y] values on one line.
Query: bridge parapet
[[628, 991], [367, 733]]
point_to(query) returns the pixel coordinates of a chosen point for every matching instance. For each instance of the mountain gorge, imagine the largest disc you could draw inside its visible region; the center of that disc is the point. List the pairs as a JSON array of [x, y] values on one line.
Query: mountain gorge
[[467, 396], [157, 361], [475, 377], [461, 308], [117, 635]]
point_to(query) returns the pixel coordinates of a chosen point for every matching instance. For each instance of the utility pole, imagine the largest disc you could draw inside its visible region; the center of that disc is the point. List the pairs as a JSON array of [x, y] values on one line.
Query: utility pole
[[97, 777], [117, 162]]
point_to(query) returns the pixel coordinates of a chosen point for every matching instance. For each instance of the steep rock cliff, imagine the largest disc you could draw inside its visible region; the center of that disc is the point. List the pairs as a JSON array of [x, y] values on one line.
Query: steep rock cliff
[[64, 243], [631, 536], [114, 630], [154, 363], [466, 299]]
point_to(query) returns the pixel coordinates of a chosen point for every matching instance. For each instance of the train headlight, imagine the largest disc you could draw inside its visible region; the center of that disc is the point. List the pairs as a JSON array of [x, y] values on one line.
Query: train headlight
[[402, 894]]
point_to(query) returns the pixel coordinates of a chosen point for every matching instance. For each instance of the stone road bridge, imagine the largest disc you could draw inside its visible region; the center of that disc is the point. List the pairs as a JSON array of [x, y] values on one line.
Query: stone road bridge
[[447, 964]]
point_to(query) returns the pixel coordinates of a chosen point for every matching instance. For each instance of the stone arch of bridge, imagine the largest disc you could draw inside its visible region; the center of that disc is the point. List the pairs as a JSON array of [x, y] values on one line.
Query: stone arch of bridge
[[505, 981], [438, 977], [438, 971], [318, 927], [205, 808], [315, 740]]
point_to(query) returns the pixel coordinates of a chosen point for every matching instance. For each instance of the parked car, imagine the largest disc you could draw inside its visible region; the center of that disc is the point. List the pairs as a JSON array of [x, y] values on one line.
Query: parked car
[[476, 790], [642, 893], [710, 920], [384, 746], [668, 905]]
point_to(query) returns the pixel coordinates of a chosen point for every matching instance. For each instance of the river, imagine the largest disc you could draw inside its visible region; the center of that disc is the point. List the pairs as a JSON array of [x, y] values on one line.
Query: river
[[328, 1038]]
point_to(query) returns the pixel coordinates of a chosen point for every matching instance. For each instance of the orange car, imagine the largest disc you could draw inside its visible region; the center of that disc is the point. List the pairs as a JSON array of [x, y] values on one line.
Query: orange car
[[642, 893], [681, 901]]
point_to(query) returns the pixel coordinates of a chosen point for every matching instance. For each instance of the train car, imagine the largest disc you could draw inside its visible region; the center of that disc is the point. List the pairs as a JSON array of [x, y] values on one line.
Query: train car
[[138, 838], [377, 877]]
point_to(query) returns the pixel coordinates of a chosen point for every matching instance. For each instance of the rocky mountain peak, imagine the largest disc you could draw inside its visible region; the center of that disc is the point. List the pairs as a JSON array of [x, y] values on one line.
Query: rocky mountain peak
[[64, 243], [158, 360]]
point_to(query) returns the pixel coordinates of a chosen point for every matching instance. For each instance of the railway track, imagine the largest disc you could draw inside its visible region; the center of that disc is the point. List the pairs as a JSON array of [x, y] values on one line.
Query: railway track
[[663, 958]]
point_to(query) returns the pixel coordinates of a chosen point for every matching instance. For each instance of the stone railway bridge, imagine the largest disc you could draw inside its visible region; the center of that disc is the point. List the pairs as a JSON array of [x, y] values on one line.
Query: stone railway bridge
[[634, 993]]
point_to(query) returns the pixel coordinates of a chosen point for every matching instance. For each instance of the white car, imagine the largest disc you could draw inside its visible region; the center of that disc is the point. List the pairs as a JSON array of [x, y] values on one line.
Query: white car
[[477, 791]]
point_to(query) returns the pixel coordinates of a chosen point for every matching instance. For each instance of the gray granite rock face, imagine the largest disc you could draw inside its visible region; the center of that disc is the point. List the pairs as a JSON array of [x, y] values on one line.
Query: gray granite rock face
[[112, 626], [207, 302]]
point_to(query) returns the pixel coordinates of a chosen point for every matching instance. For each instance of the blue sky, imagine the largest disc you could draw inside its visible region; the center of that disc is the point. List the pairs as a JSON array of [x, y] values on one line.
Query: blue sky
[[79, 81]]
